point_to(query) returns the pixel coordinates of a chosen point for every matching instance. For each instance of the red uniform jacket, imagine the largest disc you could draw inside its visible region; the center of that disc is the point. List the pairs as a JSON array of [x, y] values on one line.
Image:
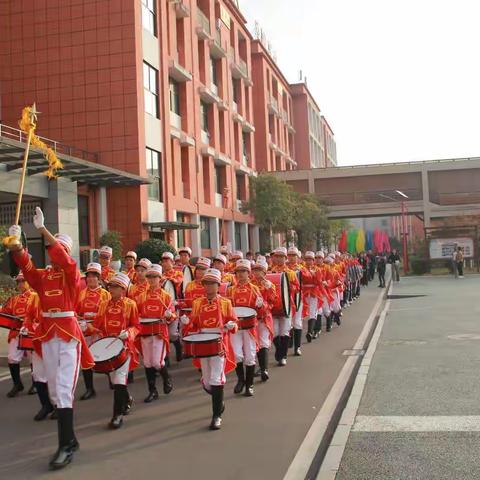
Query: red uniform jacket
[[214, 314], [107, 273], [131, 274], [19, 305], [58, 289], [193, 290], [176, 276], [89, 301], [269, 298], [117, 315], [137, 289]]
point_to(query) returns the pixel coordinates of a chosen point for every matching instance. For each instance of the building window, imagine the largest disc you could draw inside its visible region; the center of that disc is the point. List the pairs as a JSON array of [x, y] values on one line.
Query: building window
[[238, 236], [205, 232], [218, 179], [150, 88], [149, 20], [83, 223], [213, 71], [181, 233], [154, 171], [174, 97], [204, 116]]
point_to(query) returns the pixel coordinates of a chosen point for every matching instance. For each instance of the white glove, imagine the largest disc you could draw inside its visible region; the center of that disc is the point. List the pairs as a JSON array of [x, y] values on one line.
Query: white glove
[[259, 302], [168, 314], [38, 218], [230, 325], [83, 325], [268, 284], [185, 320], [23, 331], [15, 231], [123, 335], [325, 283]]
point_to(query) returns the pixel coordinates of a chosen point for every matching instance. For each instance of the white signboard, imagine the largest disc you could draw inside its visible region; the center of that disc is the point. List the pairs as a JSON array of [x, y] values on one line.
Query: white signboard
[[444, 247]]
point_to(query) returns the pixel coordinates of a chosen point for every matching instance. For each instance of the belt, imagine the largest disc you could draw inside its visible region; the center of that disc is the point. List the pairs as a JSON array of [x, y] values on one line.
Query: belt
[[89, 314], [309, 286], [58, 314], [152, 319]]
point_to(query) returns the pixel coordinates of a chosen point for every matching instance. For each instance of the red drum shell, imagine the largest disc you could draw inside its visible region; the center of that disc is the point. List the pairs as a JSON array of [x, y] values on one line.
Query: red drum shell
[[110, 364], [148, 329], [246, 323], [25, 343], [203, 345], [282, 307], [247, 317], [10, 322]]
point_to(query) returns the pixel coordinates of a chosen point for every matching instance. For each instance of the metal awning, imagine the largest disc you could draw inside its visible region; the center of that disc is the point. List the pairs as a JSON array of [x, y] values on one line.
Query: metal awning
[[157, 226], [76, 168]]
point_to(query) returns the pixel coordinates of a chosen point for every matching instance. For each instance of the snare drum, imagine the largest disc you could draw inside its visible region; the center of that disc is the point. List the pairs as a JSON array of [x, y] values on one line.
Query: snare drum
[[247, 317], [25, 342], [109, 354], [11, 322], [203, 345], [282, 306], [150, 326], [187, 278]]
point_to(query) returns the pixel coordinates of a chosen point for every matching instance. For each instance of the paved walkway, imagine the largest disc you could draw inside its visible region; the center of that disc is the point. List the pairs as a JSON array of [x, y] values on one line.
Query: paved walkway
[[419, 415]]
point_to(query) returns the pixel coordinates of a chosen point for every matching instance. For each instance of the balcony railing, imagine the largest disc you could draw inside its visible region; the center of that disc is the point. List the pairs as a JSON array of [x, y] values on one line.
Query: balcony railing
[[205, 137], [203, 28], [243, 67], [175, 120], [218, 200], [273, 104]]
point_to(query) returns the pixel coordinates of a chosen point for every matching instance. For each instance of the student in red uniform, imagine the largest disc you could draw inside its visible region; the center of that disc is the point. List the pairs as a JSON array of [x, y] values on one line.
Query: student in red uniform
[[104, 258], [61, 342], [212, 313], [155, 303], [244, 341], [265, 319], [293, 263], [220, 262], [118, 317], [234, 256], [88, 302], [185, 254], [141, 284], [129, 265], [196, 288]]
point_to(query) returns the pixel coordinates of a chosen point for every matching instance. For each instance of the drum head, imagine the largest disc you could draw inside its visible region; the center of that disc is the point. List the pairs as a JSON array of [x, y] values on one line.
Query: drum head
[[106, 348], [148, 321], [201, 337], [285, 293], [245, 312], [169, 287]]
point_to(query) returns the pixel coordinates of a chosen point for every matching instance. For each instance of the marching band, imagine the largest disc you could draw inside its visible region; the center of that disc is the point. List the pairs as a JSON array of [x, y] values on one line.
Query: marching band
[[224, 318]]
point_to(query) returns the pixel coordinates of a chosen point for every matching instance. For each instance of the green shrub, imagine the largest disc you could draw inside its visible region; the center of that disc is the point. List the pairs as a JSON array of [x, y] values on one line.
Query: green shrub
[[112, 239], [419, 266], [153, 249]]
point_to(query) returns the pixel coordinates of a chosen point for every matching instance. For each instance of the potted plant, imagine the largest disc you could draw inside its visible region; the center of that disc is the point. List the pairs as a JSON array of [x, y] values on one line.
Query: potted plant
[[153, 249]]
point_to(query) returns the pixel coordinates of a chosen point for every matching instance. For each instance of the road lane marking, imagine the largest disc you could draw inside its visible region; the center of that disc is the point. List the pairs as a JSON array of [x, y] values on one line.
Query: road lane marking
[[8, 377], [463, 423], [305, 455]]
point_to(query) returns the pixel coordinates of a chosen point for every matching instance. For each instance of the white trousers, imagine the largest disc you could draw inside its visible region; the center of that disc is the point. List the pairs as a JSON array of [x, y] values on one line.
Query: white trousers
[[38, 369], [263, 335], [281, 326], [325, 308], [312, 307], [335, 306], [212, 371], [153, 352], [120, 375], [61, 361], [173, 331], [244, 347], [14, 354], [297, 321]]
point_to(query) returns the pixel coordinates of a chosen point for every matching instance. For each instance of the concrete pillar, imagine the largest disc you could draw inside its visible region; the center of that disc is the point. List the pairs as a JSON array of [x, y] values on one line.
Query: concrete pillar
[[244, 243], [230, 229], [196, 245], [61, 211], [102, 214], [255, 238], [311, 183], [214, 235], [426, 199]]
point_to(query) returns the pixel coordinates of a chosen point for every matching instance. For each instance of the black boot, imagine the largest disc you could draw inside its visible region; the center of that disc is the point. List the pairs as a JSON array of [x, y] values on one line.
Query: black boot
[[17, 381], [218, 407], [47, 407], [151, 380], [88, 379], [317, 328], [338, 318], [249, 373], [167, 380], [263, 362], [118, 406], [67, 443], [32, 390], [278, 353], [284, 341], [290, 341], [297, 341], [178, 350], [241, 378], [309, 335], [130, 378], [329, 322], [127, 401]]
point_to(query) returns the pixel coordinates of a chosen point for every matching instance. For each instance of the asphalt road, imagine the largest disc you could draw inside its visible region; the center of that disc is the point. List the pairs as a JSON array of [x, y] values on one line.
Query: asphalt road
[[419, 417], [170, 438]]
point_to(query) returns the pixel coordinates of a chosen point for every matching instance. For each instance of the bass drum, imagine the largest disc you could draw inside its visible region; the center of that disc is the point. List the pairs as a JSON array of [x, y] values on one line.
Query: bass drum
[[298, 295], [187, 278], [282, 306]]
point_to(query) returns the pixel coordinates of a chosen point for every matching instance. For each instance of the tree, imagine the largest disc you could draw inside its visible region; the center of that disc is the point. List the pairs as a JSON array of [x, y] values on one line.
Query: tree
[[272, 203], [112, 239], [153, 249]]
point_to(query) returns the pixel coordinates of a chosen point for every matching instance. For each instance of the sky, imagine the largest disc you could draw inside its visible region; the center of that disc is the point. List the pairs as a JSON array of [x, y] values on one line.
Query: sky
[[397, 80]]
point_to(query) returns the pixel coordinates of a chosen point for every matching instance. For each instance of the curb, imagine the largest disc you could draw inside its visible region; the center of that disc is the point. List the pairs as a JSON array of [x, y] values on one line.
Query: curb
[[311, 453], [4, 362]]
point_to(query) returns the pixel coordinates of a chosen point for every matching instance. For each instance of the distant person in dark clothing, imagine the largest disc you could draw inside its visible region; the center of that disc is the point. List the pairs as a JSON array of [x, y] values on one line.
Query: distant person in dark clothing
[[372, 261], [364, 263], [394, 260], [458, 259], [381, 268]]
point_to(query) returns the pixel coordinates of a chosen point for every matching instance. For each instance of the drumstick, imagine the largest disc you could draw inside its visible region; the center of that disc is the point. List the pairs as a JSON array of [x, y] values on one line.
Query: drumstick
[[111, 343]]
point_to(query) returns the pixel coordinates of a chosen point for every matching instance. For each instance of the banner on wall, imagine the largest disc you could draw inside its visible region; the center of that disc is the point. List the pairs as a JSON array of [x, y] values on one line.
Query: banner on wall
[[444, 247]]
